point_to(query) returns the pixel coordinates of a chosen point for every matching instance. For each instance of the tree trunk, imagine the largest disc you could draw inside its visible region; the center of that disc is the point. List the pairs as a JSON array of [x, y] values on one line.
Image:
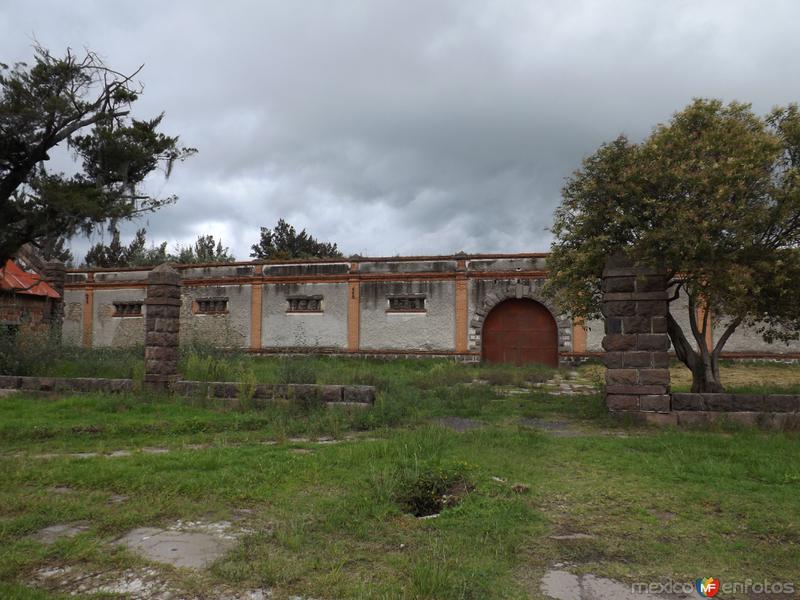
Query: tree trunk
[[703, 365]]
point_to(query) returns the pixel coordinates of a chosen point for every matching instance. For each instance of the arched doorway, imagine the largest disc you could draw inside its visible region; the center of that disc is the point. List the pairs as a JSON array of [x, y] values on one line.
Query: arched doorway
[[520, 331]]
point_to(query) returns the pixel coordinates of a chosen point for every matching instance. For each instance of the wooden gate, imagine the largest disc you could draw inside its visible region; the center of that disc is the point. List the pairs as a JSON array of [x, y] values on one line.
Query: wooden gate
[[520, 331]]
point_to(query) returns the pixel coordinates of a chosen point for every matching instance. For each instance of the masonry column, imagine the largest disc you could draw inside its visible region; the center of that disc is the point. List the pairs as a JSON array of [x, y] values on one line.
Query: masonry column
[[162, 322], [636, 342], [88, 312], [353, 310], [55, 274], [256, 315]]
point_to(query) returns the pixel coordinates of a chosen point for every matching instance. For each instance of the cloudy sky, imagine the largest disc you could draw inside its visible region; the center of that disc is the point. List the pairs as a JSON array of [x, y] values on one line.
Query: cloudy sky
[[413, 126]]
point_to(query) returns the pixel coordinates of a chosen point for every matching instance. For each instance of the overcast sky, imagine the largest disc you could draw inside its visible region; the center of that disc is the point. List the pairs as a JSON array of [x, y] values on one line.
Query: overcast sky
[[407, 127]]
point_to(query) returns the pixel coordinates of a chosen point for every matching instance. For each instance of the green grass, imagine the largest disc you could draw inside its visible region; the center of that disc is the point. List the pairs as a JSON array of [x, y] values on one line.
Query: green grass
[[329, 523]]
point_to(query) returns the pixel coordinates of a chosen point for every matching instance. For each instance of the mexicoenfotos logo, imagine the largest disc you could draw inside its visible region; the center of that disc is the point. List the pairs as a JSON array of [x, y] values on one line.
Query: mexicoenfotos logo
[[707, 587]]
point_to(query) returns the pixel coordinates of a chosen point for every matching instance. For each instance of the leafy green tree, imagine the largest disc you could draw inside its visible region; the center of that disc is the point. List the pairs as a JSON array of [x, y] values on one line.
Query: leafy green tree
[[79, 103], [205, 250], [135, 254], [284, 242], [713, 197]]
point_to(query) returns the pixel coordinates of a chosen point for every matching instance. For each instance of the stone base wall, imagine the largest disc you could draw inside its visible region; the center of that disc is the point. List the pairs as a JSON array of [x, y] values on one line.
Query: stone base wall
[[327, 394]]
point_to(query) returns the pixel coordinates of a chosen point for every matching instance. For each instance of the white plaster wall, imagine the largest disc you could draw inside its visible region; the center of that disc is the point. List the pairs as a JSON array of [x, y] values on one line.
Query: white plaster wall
[[595, 331], [431, 330], [748, 340], [231, 330], [108, 330], [328, 329], [72, 329]]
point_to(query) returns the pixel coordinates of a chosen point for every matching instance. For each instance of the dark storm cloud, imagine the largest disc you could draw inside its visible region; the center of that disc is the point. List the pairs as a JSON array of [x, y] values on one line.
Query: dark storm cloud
[[409, 127]]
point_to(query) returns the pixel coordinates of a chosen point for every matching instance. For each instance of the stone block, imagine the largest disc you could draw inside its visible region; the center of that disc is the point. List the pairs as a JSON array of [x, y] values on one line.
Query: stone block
[[160, 338], [655, 402], [651, 283], [637, 390], [29, 383], [224, 389], [636, 325], [661, 419], [619, 309], [304, 391], [10, 382], [364, 394], [693, 418], [165, 326], [622, 376], [654, 376], [614, 360], [658, 324], [718, 402], [660, 360], [636, 359], [613, 325], [782, 403], [161, 353], [687, 402], [619, 342], [622, 402], [163, 291], [652, 341], [654, 308], [331, 393], [619, 284]]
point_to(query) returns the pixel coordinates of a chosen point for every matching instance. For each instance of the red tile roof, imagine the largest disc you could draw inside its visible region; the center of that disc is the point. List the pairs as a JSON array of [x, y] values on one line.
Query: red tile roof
[[12, 278]]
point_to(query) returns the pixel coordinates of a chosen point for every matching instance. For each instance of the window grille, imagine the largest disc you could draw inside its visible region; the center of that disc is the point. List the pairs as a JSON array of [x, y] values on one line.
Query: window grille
[[407, 303], [212, 306], [305, 304], [128, 309]]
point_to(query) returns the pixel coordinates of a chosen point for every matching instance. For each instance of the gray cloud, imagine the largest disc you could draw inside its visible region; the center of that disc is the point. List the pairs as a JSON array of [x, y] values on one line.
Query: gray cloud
[[408, 127]]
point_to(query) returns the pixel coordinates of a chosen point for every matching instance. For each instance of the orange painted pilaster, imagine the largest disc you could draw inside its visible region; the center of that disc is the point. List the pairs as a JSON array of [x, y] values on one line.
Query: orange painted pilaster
[[700, 315], [353, 310], [256, 315], [88, 312], [462, 299], [578, 335]]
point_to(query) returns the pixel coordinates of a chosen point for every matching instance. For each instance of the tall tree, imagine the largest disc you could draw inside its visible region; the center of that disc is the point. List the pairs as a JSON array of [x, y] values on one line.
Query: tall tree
[[135, 254], [204, 250], [80, 103], [713, 196], [284, 242]]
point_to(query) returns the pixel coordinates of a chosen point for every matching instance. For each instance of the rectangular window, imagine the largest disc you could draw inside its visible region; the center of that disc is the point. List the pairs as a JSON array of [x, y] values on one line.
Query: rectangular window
[[415, 303], [212, 306], [304, 304], [128, 309]]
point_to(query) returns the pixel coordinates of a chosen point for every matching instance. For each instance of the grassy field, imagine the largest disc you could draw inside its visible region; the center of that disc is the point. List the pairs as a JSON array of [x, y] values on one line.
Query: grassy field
[[321, 498]]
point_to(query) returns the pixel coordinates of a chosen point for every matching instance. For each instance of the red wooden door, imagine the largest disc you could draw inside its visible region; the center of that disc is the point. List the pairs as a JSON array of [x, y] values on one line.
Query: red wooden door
[[520, 331]]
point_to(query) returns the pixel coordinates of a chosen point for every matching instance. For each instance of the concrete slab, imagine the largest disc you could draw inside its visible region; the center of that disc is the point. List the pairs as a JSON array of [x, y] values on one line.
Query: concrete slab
[[563, 585], [192, 550], [49, 535]]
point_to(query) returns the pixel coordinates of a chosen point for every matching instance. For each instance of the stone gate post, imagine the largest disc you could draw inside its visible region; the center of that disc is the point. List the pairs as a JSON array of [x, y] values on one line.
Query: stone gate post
[[162, 322], [55, 274], [636, 342]]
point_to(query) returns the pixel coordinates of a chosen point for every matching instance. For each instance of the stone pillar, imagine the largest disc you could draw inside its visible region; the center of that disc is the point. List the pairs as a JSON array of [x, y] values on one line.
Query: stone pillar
[[636, 342], [55, 274], [162, 322]]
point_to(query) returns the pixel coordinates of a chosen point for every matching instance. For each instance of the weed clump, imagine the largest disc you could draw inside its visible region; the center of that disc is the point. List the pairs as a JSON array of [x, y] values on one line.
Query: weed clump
[[429, 491]]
